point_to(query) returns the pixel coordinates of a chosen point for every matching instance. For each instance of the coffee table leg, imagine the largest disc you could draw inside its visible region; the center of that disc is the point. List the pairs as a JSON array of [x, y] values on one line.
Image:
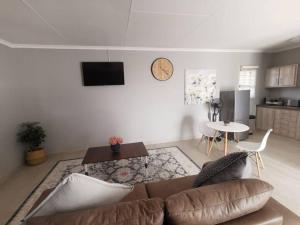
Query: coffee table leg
[[146, 165], [86, 172]]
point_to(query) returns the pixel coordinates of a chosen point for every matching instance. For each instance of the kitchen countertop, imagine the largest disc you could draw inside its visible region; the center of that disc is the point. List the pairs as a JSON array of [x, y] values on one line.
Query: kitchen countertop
[[279, 107]]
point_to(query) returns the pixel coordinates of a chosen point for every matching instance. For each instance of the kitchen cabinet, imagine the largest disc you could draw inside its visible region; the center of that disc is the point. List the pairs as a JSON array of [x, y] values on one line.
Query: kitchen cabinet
[[284, 122], [264, 118], [272, 77], [283, 76], [298, 127], [288, 75]]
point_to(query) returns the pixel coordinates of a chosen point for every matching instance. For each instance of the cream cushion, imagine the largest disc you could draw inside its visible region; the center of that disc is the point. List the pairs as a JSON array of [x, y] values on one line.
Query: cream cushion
[[79, 191]]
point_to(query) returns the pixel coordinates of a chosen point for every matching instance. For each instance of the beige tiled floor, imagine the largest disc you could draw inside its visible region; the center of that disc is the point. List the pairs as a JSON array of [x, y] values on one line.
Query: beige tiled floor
[[282, 161]]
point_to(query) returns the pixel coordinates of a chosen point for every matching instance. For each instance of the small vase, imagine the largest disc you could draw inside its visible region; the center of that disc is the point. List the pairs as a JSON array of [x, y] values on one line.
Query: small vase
[[115, 148]]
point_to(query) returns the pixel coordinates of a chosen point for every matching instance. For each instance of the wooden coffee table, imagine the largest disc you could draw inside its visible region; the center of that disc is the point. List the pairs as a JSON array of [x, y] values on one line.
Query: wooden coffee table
[[104, 153]]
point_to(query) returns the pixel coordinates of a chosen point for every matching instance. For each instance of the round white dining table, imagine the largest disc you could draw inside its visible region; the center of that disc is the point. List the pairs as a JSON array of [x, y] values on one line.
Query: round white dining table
[[233, 127]]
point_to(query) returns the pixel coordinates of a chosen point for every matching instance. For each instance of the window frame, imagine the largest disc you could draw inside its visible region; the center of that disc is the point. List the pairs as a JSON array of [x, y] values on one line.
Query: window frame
[[249, 86]]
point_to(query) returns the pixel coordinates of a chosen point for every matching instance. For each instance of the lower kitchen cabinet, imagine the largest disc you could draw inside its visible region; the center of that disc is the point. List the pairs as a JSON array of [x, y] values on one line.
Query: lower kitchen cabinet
[[298, 127], [265, 118], [284, 122]]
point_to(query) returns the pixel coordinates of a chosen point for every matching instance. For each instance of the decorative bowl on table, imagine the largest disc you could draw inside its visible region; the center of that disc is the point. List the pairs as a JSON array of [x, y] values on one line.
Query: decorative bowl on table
[[226, 122], [115, 144]]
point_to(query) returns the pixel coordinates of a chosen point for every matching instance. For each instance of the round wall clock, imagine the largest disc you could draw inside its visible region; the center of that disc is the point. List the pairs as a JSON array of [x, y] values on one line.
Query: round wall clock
[[162, 69]]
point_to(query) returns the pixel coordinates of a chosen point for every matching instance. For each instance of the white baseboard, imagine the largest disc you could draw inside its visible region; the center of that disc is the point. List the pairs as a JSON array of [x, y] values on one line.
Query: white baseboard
[[147, 142], [162, 141]]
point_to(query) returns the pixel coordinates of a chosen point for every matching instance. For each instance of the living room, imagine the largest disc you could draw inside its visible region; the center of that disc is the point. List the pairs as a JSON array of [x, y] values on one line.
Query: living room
[[161, 117]]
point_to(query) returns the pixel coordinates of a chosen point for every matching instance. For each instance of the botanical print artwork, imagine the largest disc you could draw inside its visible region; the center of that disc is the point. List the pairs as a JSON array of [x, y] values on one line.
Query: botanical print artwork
[[200, 86]]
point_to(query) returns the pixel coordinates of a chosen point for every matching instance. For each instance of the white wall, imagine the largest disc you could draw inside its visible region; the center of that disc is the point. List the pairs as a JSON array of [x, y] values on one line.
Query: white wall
[[285, 58], [144, 109], [11, 112]]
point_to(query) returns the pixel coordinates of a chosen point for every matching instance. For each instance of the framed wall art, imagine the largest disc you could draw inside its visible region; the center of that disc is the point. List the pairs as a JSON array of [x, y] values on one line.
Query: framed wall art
[[200, 86]]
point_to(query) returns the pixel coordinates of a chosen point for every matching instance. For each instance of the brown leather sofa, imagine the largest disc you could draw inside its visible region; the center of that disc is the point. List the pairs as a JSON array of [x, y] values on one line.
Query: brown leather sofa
[[149, 203]]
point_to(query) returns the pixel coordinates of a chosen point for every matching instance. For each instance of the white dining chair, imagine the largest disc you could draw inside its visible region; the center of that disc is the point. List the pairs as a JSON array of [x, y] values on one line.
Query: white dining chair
[[207, 134], [255, 148]]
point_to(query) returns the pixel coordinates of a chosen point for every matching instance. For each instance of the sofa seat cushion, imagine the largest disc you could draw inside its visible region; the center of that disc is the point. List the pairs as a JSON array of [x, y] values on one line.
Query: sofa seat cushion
[[217, 203], [140, 212], [165, 188], [139, 192]]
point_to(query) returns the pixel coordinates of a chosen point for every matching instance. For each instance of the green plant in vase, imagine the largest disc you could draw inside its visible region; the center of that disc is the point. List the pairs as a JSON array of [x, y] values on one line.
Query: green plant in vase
[[32, 135]]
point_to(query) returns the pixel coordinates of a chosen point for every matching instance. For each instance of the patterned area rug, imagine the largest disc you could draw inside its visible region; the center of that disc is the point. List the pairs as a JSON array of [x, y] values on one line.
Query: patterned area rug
[[163, 164]]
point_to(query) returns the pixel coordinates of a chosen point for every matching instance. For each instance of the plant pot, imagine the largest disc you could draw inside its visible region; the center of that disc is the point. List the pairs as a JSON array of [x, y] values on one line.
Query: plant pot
[[115, 148], [36, 157]]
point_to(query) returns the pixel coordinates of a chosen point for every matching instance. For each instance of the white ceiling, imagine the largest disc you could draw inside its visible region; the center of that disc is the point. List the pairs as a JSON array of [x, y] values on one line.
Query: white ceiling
[[262, 25]]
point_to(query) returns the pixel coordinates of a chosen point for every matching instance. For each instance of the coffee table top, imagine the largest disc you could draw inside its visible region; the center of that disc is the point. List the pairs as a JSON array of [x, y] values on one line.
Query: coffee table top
[[104, 153]]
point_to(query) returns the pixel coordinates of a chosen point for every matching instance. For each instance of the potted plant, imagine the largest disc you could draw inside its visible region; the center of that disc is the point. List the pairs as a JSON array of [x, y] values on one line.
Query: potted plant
[[115, 143], [33, 135]]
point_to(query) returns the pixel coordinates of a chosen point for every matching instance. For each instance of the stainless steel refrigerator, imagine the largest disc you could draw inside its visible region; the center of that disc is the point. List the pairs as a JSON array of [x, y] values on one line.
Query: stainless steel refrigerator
[[236, 108]]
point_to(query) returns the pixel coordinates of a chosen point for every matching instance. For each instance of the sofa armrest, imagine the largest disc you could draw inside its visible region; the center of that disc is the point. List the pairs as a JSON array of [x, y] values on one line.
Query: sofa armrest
[[266, 216]]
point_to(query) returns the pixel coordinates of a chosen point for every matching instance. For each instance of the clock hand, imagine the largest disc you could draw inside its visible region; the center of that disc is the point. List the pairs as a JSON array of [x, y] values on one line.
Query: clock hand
[[162, 69], [166, 72]]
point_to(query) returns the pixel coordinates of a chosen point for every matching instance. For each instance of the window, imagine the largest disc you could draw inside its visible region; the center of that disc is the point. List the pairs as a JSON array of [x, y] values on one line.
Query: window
[[247, 80]]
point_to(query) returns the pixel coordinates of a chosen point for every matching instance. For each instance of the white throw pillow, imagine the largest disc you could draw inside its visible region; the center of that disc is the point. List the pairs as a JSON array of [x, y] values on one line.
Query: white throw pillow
[[79, 191]]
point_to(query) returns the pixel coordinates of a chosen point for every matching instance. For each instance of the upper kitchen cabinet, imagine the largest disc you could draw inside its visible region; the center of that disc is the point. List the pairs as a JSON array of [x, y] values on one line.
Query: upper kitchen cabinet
[[272, 77], [288, 75], [283, 76]]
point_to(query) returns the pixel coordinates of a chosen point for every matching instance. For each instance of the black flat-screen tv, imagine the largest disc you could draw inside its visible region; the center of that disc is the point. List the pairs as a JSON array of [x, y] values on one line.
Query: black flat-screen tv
[[102, 73]]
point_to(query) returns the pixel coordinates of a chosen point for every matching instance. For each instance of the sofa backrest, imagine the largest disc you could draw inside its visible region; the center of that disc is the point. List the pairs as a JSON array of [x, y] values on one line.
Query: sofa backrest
[[217, 203]]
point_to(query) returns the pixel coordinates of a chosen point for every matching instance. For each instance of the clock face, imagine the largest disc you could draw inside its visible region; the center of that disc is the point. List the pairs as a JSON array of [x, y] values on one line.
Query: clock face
[[162, 69]]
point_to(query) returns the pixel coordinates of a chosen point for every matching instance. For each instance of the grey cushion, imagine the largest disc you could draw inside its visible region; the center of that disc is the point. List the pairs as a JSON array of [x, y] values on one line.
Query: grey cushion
[[230, 167]]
